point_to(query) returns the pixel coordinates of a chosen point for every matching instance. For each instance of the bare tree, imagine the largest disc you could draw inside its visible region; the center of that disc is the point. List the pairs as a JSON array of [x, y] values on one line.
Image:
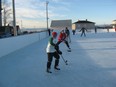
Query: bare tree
[[6, 13], [0, 13]]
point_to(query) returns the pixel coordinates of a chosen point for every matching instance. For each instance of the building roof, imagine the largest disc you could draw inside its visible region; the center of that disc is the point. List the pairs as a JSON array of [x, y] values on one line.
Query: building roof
[[114, 20], [83, 21]]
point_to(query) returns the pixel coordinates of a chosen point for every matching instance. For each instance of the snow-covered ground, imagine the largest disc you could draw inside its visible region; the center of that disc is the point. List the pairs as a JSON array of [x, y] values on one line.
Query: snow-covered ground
[[92, 63]]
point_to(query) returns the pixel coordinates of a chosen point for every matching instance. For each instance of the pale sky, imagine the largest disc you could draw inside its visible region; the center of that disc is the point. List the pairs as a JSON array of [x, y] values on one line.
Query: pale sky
[[32, 13]]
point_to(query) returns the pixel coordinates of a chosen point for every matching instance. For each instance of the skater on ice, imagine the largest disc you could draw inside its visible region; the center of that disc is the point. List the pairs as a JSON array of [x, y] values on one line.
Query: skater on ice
[[63, 38], [67, 32], [53, 51], [83, 31]]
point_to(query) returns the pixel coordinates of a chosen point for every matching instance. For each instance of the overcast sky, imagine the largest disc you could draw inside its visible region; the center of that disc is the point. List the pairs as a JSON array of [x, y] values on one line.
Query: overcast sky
[[32, 13]]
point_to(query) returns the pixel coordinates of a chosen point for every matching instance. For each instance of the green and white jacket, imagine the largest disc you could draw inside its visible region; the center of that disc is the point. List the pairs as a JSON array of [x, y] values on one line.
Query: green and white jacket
[[51, 45]]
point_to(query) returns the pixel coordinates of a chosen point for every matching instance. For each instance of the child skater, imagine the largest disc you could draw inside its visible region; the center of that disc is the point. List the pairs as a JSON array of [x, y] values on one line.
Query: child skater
[[53, 51]]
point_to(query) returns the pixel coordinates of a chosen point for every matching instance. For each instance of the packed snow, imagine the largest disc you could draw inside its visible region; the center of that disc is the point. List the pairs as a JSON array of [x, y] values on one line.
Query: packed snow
[[91, 63]]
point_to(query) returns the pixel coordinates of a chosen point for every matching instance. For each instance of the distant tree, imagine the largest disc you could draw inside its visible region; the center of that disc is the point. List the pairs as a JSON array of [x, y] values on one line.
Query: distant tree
[[6, 13], [0, 12]]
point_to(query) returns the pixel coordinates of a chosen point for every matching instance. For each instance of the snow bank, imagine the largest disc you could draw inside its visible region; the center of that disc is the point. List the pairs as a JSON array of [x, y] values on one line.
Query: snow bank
[[8, 45]]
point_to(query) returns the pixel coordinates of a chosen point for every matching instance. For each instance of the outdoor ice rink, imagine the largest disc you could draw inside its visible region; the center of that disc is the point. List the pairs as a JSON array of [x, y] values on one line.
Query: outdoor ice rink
[[92, 63]]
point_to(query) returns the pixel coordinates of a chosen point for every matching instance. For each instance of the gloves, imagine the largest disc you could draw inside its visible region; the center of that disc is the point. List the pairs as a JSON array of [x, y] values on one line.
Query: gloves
[[56, 47], [59, 52]]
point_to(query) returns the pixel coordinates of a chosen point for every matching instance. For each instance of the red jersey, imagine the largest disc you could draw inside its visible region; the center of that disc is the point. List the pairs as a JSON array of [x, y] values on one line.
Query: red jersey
[[62, 37]]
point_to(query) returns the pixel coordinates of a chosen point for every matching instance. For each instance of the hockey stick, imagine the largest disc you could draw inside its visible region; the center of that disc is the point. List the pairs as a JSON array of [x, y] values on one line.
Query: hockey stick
[[64, 60]]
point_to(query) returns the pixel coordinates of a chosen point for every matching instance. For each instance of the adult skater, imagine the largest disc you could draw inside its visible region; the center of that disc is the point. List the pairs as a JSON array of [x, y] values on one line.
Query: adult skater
[[67, 32], [83, 31], [63, 38], [53, 51]]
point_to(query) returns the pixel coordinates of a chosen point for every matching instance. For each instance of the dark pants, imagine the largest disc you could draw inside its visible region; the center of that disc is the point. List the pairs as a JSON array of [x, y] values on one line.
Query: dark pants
[[66, 42], [50, 58], [82, 34]]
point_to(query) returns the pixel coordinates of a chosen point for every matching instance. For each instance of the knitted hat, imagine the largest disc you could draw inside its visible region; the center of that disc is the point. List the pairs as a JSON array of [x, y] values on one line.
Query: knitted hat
[[54, 34]]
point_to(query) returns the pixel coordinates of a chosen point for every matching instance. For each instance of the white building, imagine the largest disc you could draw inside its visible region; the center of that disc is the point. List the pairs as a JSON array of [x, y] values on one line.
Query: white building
[[61, 24], [83, 23], [114, 23]]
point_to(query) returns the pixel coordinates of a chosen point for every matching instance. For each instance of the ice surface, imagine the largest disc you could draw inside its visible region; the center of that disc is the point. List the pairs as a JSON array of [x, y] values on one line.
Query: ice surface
[[91, 63]]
